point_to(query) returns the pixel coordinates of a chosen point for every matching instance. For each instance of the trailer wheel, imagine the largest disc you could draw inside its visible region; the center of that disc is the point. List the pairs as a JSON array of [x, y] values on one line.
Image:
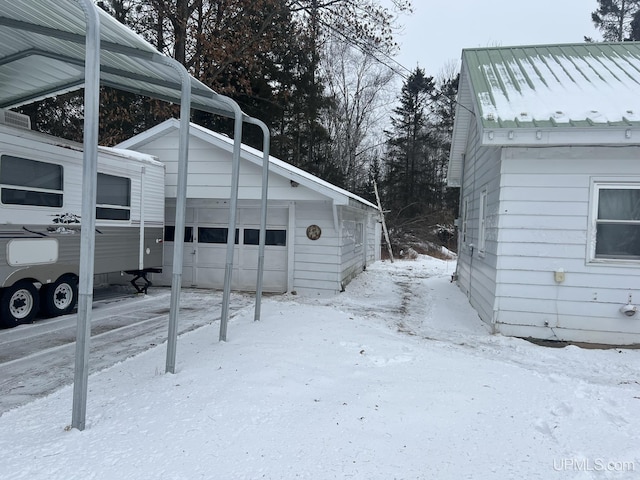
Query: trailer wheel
[[60, 297], [18, 303]]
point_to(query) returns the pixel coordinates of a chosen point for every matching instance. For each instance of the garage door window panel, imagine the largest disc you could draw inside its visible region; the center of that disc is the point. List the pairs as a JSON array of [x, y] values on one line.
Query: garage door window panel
[[170, 234], [276, 238], [217, 235]]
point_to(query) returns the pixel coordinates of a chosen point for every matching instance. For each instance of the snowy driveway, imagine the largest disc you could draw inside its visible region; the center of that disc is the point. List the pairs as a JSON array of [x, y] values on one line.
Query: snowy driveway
[[37, 359], [396, 378]]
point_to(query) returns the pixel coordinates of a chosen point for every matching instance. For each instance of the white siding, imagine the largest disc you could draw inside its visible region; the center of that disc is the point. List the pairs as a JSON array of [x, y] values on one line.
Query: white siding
[[352, 245], [544, 227], [357, 243], [477, 270], [317, 262], [210, 172], [36, 146]]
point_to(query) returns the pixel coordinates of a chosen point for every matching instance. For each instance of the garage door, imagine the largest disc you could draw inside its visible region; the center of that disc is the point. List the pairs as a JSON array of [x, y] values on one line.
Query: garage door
[[205, 255]]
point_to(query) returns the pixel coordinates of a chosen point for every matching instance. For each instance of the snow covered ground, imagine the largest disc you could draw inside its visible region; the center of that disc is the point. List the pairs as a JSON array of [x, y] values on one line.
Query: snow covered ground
[[396, 378]]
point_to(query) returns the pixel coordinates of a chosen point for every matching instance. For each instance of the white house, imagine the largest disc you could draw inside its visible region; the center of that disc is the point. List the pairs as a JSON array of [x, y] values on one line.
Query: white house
[[546, 151], [318, 238]]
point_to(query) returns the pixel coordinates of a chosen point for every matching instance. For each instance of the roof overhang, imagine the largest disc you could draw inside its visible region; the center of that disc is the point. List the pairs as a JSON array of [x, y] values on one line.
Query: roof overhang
[[464, 117], [536, 137], [587, 94]]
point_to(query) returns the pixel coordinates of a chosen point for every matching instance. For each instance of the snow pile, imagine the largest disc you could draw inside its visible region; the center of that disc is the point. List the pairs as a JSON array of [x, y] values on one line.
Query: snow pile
[[396, 378]]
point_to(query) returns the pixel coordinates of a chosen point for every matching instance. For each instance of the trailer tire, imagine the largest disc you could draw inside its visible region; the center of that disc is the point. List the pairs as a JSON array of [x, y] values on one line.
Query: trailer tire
[[18, 303], [59, 298]]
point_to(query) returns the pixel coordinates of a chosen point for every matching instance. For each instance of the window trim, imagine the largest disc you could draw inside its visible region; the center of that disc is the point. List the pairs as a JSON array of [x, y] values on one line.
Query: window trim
[[124, 207], [598, 184], [482, 223], [465, 217]]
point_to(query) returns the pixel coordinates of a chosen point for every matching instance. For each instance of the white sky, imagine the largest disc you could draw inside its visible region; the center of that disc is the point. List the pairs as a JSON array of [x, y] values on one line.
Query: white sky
[[437, 31]]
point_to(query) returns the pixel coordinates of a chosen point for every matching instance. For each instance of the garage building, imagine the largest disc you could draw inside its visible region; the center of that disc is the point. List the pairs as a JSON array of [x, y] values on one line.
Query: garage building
[[319, 236]]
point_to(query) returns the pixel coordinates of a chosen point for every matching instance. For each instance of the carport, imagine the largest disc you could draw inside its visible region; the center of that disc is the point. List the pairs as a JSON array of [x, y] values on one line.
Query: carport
[[49, 47]]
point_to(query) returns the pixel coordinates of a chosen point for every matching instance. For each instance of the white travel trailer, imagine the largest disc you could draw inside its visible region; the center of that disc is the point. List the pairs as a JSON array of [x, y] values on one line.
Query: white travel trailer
[[40, 205]]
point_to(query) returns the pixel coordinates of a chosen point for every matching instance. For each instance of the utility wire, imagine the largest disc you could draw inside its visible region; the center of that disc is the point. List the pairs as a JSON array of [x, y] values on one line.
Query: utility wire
[[366, 48]]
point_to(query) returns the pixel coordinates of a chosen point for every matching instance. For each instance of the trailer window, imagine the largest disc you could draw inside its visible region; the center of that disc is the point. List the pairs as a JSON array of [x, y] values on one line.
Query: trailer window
[[113, 199], [30, 182]]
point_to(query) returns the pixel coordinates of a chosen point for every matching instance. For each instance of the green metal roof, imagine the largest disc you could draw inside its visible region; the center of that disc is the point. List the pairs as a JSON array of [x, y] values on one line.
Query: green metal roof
[[556, 85], [574, 94]]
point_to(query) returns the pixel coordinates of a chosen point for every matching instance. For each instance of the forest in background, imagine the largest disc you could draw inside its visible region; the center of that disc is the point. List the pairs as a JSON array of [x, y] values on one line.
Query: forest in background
[[321, 75]]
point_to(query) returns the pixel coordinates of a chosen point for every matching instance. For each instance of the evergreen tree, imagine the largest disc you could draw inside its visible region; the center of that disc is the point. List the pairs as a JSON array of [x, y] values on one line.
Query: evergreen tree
[[407, 142], [614, 19], [415, 167], [444, 115], [634, 34]]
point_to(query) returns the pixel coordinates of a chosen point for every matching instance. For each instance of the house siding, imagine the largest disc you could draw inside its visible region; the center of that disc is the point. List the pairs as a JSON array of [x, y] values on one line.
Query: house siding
[[544, 227], [317, 262], [477, 271], [353, 247], [210, 173]]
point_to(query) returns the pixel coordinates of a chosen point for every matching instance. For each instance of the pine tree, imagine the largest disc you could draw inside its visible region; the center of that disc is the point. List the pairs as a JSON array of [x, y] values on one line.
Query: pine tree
[[407, 142], [614, 19]]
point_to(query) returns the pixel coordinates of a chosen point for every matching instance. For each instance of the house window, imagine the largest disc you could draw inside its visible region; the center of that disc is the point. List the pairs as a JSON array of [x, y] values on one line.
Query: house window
[[617, 221], [30, 182], [482, 228], [113, 198], [465, 211]]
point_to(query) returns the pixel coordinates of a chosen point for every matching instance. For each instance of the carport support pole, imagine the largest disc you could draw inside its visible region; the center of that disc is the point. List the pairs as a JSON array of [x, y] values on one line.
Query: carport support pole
[[88, 212], [181, 206], [233, 205], [266, 144]]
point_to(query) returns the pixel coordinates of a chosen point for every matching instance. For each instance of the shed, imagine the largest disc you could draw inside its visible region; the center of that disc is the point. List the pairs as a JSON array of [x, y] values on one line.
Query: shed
[[318, 236], [546, 152]]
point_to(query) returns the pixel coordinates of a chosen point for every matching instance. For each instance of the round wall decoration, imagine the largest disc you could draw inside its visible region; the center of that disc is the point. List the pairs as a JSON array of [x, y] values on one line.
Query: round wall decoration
[[313, 232]]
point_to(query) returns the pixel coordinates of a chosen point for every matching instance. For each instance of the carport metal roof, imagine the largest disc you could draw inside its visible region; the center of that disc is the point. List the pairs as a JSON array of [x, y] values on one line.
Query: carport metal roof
[[42, 53], [49, 47]]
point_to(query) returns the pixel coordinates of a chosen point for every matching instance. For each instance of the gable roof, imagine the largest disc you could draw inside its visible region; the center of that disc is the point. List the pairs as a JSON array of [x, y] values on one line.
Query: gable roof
[[277, 166], [586, 93]]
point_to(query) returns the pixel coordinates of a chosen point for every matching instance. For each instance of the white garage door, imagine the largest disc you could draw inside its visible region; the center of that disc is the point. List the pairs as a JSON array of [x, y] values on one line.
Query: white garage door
[[206, 252]]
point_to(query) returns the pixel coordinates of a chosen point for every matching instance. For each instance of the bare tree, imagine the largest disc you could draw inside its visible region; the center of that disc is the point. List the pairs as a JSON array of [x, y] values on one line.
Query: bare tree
[[358, 85]]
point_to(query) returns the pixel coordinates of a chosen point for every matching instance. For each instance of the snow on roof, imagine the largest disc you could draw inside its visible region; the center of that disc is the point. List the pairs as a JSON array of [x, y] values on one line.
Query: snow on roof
[[574, 94], [131, 154], [562, 85]]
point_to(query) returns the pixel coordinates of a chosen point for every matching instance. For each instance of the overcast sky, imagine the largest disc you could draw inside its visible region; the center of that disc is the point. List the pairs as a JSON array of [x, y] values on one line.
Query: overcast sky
[[437, 31]]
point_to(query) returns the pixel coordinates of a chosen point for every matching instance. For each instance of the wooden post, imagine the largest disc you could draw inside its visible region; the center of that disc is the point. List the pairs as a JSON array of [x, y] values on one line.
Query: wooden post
[[384, 225]]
